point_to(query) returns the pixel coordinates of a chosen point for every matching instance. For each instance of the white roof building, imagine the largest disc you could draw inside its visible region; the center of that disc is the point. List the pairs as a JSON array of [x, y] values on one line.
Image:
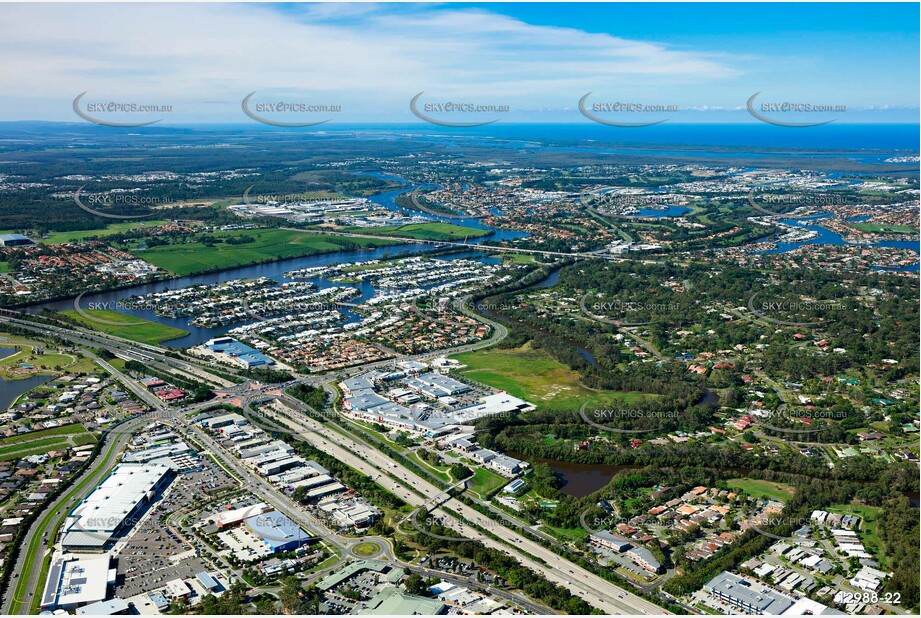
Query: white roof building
[[114, 503], [77, 581]]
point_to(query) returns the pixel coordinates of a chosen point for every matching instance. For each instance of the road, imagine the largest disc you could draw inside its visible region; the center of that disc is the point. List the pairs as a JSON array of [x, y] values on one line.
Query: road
[[95, 339], [417, 492], [26, 581]]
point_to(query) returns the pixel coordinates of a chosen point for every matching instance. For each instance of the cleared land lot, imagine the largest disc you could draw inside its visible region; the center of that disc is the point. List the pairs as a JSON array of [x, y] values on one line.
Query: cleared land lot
[[763, 489], [537, 378], [56, 238]]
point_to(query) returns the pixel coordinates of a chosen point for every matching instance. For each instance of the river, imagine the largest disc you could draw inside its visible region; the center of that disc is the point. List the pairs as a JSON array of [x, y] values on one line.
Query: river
[[276, 270], [387, 200], [828, 237]]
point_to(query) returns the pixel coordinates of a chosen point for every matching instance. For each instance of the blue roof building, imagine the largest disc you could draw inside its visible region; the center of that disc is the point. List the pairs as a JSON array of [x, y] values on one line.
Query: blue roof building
[[240, 352], [277, 532], [15, 240]]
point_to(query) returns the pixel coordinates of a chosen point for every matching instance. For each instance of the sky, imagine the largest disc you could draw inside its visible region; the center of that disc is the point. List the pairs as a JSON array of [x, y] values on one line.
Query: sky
[[532, 62]]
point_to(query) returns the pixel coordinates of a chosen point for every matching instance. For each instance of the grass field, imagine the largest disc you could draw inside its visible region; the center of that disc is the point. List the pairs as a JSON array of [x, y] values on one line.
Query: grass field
[[57, 238], [36, 442], [440, 472], [268, 245], [366, 550], [483, 482], [11, 367], [518, 258], [129, 326], [883, 228], [536, 377], [762, 489], [574, 535], [63, 430], [424, 231]]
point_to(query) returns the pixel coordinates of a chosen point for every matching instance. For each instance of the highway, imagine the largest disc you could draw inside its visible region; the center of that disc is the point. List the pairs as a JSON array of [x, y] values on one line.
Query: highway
[[416, 491], [96, 339], [271, 494]]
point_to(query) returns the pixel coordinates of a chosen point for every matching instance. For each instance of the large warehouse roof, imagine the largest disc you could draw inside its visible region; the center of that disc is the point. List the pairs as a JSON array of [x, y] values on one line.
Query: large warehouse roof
[[105, 510]]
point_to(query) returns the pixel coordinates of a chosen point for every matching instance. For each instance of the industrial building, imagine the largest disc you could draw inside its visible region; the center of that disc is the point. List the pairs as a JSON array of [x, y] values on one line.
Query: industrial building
[[507, 466], [15, 240], [238, 353], [77, 581], [330, 489], [749, 596], [114, 505]]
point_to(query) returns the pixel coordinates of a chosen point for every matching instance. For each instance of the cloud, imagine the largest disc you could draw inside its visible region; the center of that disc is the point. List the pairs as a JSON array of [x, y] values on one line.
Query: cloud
[[364, 57]]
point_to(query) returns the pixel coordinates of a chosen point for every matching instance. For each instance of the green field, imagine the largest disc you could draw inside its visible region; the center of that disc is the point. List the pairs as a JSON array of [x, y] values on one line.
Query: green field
[[424, 231], [441, 471], [268, 245], [536, 377], [36, 442], [63, 430], [883, 228], [574, 535], [11, 367], [762, 489], [483, 482], [366, 550], [518, 258], [128, 326], [57, 238]]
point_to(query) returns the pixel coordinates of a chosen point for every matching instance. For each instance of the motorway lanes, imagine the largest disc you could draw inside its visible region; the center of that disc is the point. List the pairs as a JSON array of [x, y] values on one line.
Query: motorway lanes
[[293, 510], [593, 589]]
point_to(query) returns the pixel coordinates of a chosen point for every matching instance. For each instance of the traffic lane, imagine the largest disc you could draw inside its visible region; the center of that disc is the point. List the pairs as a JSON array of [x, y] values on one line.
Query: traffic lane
[[594, 590]]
